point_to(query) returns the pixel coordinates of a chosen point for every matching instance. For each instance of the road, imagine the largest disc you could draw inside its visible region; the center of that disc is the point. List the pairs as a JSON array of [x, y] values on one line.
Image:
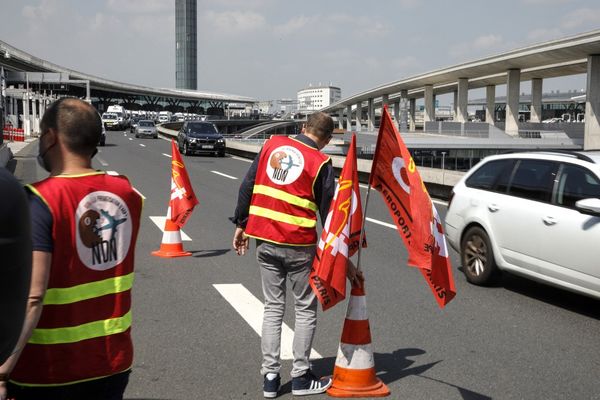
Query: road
[[517, 340]]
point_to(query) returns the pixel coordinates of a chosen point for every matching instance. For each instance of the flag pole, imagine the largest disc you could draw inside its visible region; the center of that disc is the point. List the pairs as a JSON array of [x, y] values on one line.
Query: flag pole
[[362, 230]]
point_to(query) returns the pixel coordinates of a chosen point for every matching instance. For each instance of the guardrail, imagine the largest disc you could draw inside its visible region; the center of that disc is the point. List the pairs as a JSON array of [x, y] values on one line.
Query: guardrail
[[439, 182]]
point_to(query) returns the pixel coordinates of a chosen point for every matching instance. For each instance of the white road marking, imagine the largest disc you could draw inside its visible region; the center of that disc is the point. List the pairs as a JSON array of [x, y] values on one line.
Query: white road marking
[[160, 222], [378, 222], [102, 162], [167, 155], [252, 309], [142, 145], [113, 173], [130, 139], [222, 174], [241, 159], [124, 134]]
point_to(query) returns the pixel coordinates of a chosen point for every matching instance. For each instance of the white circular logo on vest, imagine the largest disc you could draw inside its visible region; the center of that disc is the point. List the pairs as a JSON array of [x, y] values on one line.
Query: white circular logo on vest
[[103, 230], [285, 165]]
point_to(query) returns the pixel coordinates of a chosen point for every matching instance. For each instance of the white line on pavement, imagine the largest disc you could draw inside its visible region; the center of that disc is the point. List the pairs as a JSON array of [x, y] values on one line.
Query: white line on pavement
[[252, 309], [113, 173], [130, 139], [102, 162], [378, 222], [222, 174], [167, 155], [142, 145], [160, 222], [241, 159]]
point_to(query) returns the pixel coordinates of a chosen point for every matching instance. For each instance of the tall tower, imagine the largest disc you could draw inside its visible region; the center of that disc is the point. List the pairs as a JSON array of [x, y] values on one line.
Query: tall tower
[[186, 45]]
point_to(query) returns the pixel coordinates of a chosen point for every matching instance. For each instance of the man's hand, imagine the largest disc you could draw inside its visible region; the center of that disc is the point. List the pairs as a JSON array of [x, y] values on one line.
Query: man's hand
[[355, 276], [241, 242]]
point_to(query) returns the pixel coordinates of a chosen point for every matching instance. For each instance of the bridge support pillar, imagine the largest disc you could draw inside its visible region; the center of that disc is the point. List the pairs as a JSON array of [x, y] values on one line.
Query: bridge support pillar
[[536, 100], [397, 113], [402, 122], [455, 105], [359, 116], [385, 101], [463, 100], [370, 115], [513, 87], [348, 118], [341, 119], [35, 124], [490, 104], [429, 104], [591, 138], [411, 115]]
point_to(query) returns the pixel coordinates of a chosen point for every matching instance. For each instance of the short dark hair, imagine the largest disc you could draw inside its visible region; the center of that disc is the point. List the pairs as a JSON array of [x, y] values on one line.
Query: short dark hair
[[320, 124], [77, 121]]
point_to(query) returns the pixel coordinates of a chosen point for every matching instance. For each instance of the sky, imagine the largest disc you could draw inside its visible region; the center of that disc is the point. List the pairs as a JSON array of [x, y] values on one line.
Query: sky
[[269, 49]]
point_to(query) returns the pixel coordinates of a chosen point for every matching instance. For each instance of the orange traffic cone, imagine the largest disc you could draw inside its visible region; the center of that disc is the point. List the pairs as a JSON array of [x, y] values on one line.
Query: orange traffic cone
[[171, 245], [354, 372]]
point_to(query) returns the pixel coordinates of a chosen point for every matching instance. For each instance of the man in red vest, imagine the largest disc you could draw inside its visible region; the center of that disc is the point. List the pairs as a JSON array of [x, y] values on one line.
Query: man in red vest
[[76, 339], [289, 182]]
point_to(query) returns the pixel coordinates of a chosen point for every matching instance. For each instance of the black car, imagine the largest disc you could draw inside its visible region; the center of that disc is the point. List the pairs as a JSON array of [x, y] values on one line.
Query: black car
[[200, 137]]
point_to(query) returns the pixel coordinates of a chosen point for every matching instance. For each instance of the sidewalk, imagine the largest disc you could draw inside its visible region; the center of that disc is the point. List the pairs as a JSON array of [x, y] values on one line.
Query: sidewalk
[[17, 147]]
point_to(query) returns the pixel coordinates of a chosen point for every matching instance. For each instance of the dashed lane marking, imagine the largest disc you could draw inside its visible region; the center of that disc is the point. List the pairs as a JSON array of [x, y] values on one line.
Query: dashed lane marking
[[378, 222], [142, 145], [102, 162], [241, 159], [160, 222], [130, 139], [167, 155], [222, 174], [251, 309]]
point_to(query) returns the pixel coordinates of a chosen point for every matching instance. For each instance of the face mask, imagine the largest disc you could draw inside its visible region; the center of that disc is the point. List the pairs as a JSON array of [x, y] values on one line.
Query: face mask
[[41, 162]]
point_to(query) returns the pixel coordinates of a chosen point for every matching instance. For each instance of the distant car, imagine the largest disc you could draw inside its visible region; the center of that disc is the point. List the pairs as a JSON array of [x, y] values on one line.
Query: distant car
[[146, 128], [134, 122], [103, 136], [200, 137], [534, 214], [111, 121]]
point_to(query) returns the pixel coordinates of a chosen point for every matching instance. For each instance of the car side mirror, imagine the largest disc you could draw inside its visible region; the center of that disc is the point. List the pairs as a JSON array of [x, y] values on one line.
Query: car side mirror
[[588, 206]]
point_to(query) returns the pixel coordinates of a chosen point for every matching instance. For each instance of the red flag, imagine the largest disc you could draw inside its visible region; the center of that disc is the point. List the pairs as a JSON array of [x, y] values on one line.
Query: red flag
[[395, 176], [340, 237], [183, 200]]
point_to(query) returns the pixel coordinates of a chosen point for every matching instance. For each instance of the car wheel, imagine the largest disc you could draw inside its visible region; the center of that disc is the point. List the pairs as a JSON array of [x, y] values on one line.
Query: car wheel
[[221, 154], [477, 257]]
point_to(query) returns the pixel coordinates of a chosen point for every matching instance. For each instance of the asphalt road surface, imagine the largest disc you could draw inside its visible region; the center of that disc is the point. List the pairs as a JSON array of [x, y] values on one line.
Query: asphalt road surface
[[517, 340]]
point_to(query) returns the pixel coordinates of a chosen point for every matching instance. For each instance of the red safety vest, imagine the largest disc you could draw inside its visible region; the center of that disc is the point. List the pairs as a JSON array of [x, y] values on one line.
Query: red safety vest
[[84, 330], [283, 208]]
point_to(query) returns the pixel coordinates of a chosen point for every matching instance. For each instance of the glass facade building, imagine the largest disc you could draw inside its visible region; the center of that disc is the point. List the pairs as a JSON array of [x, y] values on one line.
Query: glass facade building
[[186, 44]]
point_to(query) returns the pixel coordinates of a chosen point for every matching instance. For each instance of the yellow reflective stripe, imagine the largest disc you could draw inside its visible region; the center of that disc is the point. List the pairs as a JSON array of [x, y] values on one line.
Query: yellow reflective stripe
[[282, 217], [88, 290], [284, 196], [78, 333]]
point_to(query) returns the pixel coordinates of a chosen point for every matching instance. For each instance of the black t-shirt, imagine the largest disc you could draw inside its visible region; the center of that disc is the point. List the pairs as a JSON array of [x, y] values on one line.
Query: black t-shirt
[[15, 267]]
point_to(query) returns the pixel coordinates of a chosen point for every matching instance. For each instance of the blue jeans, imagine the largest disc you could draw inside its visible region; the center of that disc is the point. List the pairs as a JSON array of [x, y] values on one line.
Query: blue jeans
[[277, 264]]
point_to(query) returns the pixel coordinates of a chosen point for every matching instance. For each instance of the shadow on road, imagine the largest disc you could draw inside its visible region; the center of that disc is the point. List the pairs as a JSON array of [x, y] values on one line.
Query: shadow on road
[[209, 253], [390, 367], [551, 295]]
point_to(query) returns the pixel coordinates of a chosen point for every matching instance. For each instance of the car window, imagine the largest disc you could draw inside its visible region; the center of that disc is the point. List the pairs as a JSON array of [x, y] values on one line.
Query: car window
[[533, 180], [201, 128], [146, 123], [487, 176], [576, 183]]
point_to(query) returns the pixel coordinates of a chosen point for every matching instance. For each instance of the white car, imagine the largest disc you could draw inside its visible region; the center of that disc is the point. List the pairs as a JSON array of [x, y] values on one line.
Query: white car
[[535, 214]]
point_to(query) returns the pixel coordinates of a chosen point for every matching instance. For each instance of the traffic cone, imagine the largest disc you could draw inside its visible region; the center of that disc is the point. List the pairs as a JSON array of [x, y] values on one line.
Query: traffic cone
[[354, 372], [171, 245]]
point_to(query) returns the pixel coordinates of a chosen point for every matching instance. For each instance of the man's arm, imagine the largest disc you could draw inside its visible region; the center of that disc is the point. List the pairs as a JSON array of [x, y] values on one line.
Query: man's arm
[[324, 190], [240, 218], [39, 282]]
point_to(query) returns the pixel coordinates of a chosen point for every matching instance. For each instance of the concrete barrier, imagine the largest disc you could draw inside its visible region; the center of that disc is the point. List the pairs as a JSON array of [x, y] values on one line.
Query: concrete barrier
[[439, 182], [5, 155]]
